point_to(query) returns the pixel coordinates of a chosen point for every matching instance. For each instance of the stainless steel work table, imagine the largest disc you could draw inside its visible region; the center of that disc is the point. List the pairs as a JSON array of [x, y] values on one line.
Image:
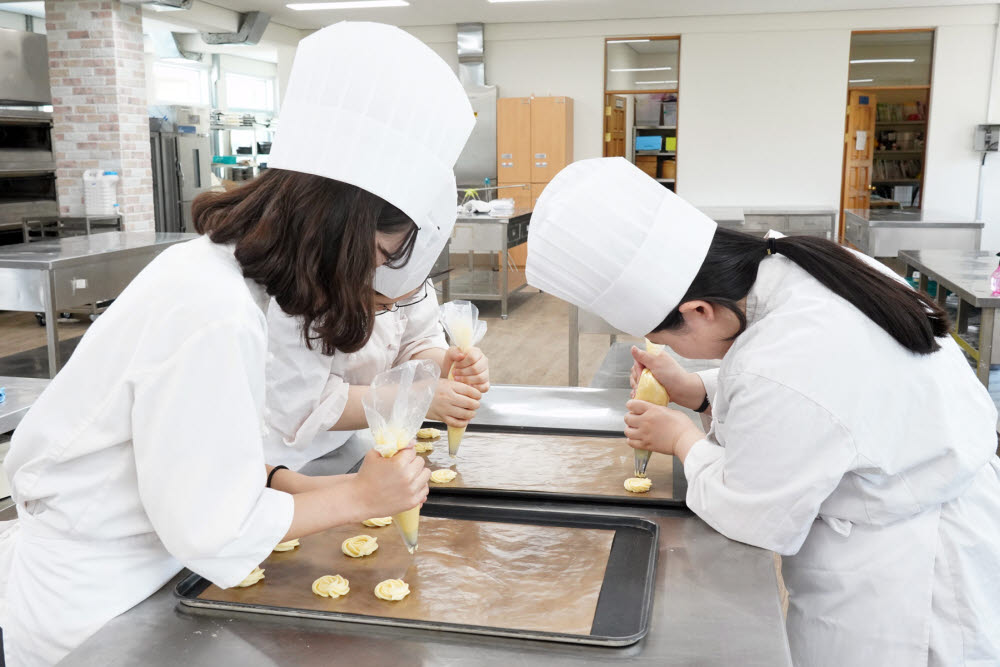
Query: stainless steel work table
[[966, 274], [716, 603], [61, 274], [21, 395], [484, 233], [884, 233]]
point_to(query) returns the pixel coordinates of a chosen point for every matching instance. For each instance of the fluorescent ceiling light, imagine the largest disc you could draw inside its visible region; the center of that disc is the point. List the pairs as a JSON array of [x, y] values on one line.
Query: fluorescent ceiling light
[[626, 41], [347, 4], [883, 60], [860, 80], [644, 83], [640, 69]]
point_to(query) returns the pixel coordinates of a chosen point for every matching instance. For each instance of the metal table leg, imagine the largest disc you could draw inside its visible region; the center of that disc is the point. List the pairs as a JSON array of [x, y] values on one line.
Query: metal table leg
[[51, 333], [574, 346], [986, 316], [504, 266]]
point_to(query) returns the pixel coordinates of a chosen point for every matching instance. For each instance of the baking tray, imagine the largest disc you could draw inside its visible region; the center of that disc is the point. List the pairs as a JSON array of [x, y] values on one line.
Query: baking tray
[[624, 602], [551, 466]]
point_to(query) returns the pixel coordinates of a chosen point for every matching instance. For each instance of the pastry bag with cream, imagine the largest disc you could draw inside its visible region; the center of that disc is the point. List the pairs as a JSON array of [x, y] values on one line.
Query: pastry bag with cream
[[460, 320], [395, 408], [648, 389]]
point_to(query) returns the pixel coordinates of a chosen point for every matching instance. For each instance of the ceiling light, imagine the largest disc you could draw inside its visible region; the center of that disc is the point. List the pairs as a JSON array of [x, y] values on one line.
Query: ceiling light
[[860, 80], [646, 83], [347, 4], [883, 60], [639, 69], [626, 41]]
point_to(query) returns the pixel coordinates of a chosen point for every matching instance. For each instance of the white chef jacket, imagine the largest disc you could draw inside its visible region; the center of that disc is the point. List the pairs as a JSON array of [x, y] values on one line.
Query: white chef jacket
[[307, 390], [142, 456], [870, 468]]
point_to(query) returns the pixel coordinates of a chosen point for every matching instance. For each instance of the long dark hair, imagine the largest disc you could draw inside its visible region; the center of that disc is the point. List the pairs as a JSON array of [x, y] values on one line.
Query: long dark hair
[[310, 241], [730, 270]]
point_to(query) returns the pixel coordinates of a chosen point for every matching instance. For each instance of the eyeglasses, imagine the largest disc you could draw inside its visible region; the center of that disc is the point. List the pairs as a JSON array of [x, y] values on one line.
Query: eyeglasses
[[404, 303]]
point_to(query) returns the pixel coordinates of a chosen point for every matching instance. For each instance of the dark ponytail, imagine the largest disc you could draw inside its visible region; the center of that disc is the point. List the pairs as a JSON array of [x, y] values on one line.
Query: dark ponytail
[[730, 270]]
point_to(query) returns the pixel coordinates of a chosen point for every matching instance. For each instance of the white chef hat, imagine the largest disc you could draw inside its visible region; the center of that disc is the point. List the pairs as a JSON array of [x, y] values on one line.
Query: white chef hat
[[608, 238], [371, 105]]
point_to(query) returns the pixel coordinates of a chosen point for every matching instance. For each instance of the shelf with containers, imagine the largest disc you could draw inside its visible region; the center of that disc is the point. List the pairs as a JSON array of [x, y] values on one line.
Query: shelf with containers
[[654, 136], [234, 159], [900, 140]]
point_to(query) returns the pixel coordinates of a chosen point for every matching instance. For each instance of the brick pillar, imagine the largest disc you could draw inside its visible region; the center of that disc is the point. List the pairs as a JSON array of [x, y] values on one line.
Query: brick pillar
[[99, 113]]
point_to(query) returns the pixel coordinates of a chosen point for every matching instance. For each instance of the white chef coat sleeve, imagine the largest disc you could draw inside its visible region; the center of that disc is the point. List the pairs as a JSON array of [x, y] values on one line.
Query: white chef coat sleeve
[[770, 461], [303, 396], [423, 329], [199, 461], [710, 379]]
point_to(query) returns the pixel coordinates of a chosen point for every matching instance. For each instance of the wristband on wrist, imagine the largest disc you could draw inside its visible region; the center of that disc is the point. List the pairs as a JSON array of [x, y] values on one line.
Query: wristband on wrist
[[270, 476], [704, 405]]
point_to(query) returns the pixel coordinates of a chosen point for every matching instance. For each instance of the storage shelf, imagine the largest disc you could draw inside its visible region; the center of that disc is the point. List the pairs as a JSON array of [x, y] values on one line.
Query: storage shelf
[[666, 180], [887, 153], [655, 127], [897, 181], [656, 152], [900, 122]]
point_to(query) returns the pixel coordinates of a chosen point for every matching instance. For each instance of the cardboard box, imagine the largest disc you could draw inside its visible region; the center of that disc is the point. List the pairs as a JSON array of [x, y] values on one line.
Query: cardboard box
[[647, 163], [668, 169]]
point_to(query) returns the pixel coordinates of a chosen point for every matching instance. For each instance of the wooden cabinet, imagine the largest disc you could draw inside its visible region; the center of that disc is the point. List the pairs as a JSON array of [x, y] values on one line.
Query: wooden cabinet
[[514, 140], [536, 192], [551, 136], [521, 196]]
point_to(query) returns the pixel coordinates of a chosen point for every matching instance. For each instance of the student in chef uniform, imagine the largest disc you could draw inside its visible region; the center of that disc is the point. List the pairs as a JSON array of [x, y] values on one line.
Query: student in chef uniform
[[144, 454], [849, 433], [313, 400]]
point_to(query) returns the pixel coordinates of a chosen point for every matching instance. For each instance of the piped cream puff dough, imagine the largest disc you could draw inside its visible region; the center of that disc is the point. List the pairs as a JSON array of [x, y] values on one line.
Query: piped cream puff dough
[[252, 578], [443, 476], [428, 434], [377, 522], [359, 545], [331, 586], [287, 546], [638, 484], [423, 447], [392, 590]]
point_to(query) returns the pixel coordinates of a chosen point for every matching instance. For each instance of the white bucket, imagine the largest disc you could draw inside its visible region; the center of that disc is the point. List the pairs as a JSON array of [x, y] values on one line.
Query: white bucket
[[100, 192]]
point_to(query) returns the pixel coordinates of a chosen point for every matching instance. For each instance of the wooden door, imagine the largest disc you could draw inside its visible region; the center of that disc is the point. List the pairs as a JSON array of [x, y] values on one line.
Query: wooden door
[[614, 126], [521, 196], [536, 192], [859, 144], [513, 140], [551, 136]]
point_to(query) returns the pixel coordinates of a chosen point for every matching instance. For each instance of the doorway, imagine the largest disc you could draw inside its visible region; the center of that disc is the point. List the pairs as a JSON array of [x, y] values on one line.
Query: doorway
[[885, 137]]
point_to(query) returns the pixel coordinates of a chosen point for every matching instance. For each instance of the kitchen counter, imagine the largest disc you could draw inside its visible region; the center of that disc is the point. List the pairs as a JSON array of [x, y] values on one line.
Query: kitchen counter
[[884, 233], [21, 395], [716, 601]]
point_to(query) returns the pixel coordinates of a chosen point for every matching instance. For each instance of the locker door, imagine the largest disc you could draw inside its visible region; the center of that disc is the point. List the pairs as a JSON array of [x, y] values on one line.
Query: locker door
[[551, 136], [513, 140]]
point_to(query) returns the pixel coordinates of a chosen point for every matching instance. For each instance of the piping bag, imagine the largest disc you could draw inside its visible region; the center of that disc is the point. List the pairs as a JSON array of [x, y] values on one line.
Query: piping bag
[[648, 389], [395, 408], [460, 320]]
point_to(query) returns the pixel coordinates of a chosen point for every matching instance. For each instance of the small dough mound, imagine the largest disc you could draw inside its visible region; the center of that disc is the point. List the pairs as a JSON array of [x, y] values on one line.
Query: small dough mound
[[423, 447], [377, 522], [443, 476], [252, 578], [287, 546], [428, 434], [638, 484], [392, 589], [331, 586], [359, 545]]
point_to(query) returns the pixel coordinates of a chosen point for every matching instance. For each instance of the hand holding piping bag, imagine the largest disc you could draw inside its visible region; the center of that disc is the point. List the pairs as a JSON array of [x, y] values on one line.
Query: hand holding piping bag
[[395, 409], [461, 322], [650, 390]]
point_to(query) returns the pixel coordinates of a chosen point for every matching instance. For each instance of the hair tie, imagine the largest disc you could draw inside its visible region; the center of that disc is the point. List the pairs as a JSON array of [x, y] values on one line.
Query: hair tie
[[772, 246]]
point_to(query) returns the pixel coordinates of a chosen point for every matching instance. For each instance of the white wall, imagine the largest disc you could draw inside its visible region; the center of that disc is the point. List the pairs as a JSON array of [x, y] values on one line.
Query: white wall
[[990, 178], [761, 117], [762, 97]]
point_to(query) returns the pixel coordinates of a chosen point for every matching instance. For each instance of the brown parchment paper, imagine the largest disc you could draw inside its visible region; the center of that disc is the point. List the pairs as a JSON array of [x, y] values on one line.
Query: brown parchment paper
[[501, 575], [561, 464]]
